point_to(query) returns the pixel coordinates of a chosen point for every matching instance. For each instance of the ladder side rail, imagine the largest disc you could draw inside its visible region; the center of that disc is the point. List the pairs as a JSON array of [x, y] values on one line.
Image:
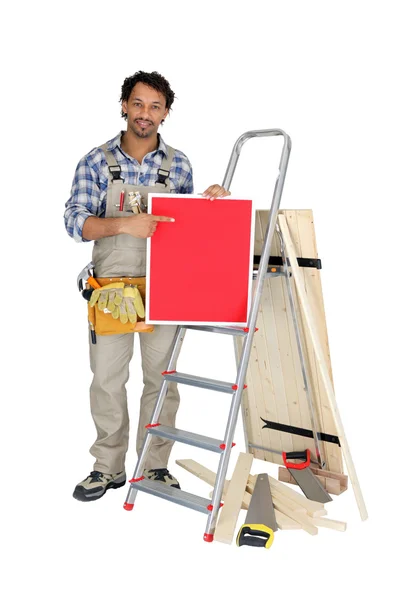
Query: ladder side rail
[[237, 361], [246, 350]]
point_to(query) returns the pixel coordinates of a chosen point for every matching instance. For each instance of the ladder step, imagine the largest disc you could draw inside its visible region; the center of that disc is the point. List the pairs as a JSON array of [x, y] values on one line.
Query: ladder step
[[186, 437], [227, 330], [201, 382], [166, 492]]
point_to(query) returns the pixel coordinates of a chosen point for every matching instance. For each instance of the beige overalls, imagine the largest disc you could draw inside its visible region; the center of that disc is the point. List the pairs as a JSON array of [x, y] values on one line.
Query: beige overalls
[[124, 255]]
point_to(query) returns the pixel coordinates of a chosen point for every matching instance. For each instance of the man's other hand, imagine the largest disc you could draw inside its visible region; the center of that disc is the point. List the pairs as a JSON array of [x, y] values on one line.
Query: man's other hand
[[216, 191]]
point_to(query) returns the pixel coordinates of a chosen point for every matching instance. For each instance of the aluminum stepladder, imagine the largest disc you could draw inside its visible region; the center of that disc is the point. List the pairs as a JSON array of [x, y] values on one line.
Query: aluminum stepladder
[[223, 446]]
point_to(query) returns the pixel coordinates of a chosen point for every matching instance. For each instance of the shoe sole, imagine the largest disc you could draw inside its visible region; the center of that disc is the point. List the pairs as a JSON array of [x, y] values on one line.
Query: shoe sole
[[84, 497]]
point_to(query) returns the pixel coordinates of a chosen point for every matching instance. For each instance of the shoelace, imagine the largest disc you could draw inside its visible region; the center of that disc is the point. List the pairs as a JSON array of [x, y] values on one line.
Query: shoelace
[[96, 476], [161, 474]]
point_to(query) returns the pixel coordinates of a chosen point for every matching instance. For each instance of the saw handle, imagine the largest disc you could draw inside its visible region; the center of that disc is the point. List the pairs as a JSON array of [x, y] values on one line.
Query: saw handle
[[305, 455], [258, 536]]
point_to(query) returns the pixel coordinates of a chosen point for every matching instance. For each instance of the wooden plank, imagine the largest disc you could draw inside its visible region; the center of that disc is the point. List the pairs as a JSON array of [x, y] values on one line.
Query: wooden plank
[[322, 366], [301, 518], [209, 477], [261, 401], [296, 397], [271, 327], [259, 371], [277, 405], [258, 381], [317, 508], [292, 504], [284, 522], [312, 286], [229, 513], [296, 231], [342, 478], [258, 377], [329, 523], [198, 470], [263, 398], [250, 416], [245, 500]]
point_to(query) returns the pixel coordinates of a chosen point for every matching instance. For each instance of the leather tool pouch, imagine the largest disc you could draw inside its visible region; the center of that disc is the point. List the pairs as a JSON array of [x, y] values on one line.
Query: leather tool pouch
[[105, 324]]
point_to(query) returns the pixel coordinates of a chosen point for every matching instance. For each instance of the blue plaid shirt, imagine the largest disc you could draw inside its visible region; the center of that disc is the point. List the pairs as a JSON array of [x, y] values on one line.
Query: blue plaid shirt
[[89, 188]]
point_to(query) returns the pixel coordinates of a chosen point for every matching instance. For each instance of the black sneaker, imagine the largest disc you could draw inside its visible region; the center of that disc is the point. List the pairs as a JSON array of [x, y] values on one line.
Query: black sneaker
[[96, 485], [161, 475]]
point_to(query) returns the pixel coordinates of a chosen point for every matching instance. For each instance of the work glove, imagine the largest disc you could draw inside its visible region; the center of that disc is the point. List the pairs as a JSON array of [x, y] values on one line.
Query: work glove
[[109, 296], [131, 306]]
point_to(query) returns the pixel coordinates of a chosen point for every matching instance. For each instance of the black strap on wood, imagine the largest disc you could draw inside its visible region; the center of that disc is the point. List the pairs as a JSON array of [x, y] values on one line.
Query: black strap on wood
[[324, 437]]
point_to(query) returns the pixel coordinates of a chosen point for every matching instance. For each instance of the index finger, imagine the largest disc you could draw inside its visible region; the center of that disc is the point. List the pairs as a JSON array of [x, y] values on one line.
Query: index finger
[[160, 218]]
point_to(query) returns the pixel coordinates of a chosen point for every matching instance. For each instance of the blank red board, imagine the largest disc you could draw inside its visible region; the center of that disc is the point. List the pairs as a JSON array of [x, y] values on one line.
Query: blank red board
[[199, 268]]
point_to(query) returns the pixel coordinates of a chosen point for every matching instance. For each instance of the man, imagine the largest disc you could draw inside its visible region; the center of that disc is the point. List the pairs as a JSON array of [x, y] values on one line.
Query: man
[[136, 162]]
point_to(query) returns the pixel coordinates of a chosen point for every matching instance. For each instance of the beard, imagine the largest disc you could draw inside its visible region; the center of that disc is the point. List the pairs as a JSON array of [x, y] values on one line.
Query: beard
[[140, 132]]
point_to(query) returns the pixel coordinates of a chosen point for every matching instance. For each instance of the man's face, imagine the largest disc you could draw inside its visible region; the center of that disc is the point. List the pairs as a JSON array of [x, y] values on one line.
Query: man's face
[[145, 110]]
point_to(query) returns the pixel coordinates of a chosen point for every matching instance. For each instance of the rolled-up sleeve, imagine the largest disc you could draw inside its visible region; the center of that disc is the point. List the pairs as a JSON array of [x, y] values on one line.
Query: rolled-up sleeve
[[84, 201]]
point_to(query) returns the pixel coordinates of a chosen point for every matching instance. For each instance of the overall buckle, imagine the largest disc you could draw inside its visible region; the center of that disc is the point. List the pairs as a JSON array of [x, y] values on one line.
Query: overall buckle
[[162, 176], [115, 172]]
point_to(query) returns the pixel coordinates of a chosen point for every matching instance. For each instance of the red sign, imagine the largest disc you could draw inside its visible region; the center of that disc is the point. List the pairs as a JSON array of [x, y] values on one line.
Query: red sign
[[199, 268]]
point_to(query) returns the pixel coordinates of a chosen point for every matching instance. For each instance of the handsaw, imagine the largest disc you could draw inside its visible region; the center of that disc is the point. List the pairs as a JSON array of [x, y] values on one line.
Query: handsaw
[[258, 529]]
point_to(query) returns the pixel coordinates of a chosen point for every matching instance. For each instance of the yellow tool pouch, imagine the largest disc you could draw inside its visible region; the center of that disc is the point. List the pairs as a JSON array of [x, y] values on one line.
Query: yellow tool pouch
[[105, 324]]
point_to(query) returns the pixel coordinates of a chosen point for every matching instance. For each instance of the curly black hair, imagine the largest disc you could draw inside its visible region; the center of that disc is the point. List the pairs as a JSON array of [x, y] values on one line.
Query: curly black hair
[[153, 80]]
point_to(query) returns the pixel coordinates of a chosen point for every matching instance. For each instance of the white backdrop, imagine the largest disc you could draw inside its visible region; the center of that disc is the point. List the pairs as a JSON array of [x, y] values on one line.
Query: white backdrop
[[326, 73]]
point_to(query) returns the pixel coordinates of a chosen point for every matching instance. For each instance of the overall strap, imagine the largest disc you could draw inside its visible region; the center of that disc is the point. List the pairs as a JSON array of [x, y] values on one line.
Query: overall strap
[[113, 167], [163, 172]]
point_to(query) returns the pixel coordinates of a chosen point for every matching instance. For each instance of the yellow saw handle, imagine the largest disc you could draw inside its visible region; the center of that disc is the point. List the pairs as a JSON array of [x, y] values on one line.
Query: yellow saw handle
[[257, 535]]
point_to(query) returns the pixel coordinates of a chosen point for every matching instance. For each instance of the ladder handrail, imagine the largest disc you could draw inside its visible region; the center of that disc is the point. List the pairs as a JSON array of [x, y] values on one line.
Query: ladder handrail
[[273, 214], [266, 250], [239, 144]]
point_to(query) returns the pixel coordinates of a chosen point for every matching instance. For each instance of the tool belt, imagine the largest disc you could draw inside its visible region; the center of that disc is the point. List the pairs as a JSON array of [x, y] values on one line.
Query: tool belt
[[104, 323]]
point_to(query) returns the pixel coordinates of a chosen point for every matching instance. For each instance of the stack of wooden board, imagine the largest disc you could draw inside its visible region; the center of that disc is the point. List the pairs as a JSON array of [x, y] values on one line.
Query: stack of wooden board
[[275, 391], [278, 415], [292, 509]]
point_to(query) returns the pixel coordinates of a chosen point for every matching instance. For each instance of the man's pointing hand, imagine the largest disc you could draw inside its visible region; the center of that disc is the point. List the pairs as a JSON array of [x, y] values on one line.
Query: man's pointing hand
[[143, 225]]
